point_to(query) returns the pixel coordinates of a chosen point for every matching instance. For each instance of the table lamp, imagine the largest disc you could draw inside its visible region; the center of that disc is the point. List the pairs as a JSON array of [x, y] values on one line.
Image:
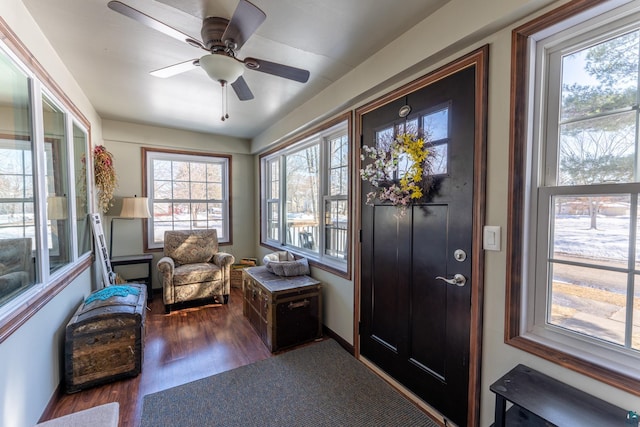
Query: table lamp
[[132, 207]]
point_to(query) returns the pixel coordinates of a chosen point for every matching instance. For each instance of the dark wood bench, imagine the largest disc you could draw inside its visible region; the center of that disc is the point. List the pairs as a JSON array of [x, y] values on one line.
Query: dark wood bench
[[539, 400]]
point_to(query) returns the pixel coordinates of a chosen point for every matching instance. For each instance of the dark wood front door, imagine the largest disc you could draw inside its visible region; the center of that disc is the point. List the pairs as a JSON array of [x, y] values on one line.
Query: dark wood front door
[[413, 324]]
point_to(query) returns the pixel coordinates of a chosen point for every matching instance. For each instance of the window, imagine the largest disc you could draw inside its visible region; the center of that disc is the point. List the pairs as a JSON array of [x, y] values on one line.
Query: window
[[43, 219], [575, 292], [305, 197], [187, 191]]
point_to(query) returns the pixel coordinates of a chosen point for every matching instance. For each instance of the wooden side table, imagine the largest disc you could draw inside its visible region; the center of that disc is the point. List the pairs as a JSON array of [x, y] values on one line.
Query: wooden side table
[[134, 260]]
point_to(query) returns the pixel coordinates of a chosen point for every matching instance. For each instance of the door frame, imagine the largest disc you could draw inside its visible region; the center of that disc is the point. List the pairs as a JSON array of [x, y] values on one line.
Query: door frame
[[480, 59]]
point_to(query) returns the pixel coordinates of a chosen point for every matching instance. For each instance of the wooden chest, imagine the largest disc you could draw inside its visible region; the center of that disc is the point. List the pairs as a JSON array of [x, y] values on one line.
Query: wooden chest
[[285, 311], [104, 340]]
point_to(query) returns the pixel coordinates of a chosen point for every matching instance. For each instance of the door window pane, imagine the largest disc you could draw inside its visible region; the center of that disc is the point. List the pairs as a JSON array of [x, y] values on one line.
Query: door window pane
[[80, 154]]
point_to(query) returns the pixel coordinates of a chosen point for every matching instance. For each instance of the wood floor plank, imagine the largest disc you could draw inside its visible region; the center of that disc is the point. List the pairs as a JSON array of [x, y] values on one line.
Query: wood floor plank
[[180, 347]]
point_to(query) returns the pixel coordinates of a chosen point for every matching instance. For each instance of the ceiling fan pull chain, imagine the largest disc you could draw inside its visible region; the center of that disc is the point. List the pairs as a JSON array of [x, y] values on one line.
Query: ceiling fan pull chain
[[226, 101], [223, 89]]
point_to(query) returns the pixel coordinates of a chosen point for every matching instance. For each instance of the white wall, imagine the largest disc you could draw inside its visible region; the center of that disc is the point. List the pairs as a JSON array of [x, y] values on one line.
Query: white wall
[[32, 357], [125, 140], [458, 28]]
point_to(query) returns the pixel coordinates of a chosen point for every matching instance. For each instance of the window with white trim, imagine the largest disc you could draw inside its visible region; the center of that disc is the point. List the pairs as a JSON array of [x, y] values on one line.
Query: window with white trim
[[305, 197], [44, 204], [187, 191], [576, 288]]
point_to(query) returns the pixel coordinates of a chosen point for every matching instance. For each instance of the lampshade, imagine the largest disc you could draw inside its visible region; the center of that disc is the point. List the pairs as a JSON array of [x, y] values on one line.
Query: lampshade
[[57, 207], [135, 207], [222, 68]]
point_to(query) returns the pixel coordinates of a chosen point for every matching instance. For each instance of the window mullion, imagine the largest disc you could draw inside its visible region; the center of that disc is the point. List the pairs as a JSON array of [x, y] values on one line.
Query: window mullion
[[40, 182]]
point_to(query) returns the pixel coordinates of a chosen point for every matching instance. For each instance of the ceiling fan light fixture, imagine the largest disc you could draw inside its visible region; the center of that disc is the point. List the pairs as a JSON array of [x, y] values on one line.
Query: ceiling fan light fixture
[[222, 68]]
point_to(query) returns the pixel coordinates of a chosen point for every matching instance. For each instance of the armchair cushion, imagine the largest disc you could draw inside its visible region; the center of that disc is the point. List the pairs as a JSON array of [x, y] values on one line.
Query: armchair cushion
[[187, 247], [196, 273]]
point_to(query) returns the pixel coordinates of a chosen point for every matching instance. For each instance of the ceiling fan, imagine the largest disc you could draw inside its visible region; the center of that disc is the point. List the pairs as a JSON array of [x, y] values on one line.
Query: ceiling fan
[[222, 38]]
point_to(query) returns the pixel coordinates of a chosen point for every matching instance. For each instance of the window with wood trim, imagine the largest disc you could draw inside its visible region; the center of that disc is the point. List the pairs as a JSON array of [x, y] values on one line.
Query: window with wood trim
[[305, 197], [187, 191], [573, 282]]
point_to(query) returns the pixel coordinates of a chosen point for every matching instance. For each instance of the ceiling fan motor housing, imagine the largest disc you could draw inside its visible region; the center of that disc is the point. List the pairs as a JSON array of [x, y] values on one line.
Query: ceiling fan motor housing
[[213, 28]]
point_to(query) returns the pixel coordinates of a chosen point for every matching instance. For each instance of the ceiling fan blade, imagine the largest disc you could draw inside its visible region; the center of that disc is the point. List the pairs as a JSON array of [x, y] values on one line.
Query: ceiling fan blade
[[150, 22], [245, 21], [280, 70], [175, 69], [241, 89]]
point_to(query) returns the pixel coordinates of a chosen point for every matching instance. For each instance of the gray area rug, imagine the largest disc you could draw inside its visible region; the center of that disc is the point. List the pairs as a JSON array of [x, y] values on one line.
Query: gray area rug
[[317, 385]]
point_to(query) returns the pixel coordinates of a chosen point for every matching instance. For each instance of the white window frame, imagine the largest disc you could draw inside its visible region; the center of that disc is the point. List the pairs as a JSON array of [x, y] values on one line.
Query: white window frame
[[588, 355], [169, 155], [322, 138]]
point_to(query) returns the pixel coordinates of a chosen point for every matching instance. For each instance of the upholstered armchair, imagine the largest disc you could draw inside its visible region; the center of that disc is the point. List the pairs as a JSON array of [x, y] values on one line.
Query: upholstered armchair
[[192, 268]]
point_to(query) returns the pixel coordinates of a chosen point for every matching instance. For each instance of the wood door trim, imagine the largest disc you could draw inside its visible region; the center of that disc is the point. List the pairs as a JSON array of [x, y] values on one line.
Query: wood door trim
[[478, 58]]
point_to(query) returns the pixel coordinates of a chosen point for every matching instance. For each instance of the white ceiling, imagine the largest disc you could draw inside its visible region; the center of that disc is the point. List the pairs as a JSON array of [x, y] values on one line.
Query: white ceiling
[[110, 55]]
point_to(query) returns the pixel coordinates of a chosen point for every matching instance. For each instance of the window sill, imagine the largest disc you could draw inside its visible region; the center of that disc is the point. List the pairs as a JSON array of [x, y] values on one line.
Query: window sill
[[14, 320], [344, 273], [597, 371]]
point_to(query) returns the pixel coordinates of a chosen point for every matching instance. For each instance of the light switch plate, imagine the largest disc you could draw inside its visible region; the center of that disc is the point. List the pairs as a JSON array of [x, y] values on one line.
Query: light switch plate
[[491, 238]]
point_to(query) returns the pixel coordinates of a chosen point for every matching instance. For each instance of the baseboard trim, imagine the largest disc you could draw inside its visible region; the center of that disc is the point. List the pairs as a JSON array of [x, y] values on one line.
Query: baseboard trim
[[344, 344]]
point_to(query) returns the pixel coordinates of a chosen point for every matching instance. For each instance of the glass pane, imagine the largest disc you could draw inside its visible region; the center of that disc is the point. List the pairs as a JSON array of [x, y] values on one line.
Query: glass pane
[[215, 218], [214, 192], [336, 228], [159, 227], [598, 150], [17, 219], [303, 183], [274, 179], [162, 190], [214, 212], [181, 190], [339, 152], [591, 229], [180, 171], [214, 172], [600, 78], [272, 221], [162, 169], [198, 191], [56, 157], [80, 153], [384, 138], [440, 162], [198, 171], [589, 301], [436, 125]]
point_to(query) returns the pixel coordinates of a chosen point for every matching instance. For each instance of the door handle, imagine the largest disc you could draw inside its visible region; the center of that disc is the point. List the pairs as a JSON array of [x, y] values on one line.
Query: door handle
[[458, 279]]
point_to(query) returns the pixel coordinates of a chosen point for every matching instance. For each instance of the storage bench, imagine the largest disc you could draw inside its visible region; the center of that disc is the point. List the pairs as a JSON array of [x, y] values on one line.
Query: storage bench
[[541, 401], [284, 311], [104, 340]]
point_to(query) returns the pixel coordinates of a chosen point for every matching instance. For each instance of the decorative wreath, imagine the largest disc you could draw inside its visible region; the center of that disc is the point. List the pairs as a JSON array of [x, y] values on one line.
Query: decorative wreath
[[398, 187], [105, 176]]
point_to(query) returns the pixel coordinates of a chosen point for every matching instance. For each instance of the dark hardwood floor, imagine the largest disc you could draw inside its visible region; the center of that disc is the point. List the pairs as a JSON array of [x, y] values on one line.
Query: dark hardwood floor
[[180, 347]]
